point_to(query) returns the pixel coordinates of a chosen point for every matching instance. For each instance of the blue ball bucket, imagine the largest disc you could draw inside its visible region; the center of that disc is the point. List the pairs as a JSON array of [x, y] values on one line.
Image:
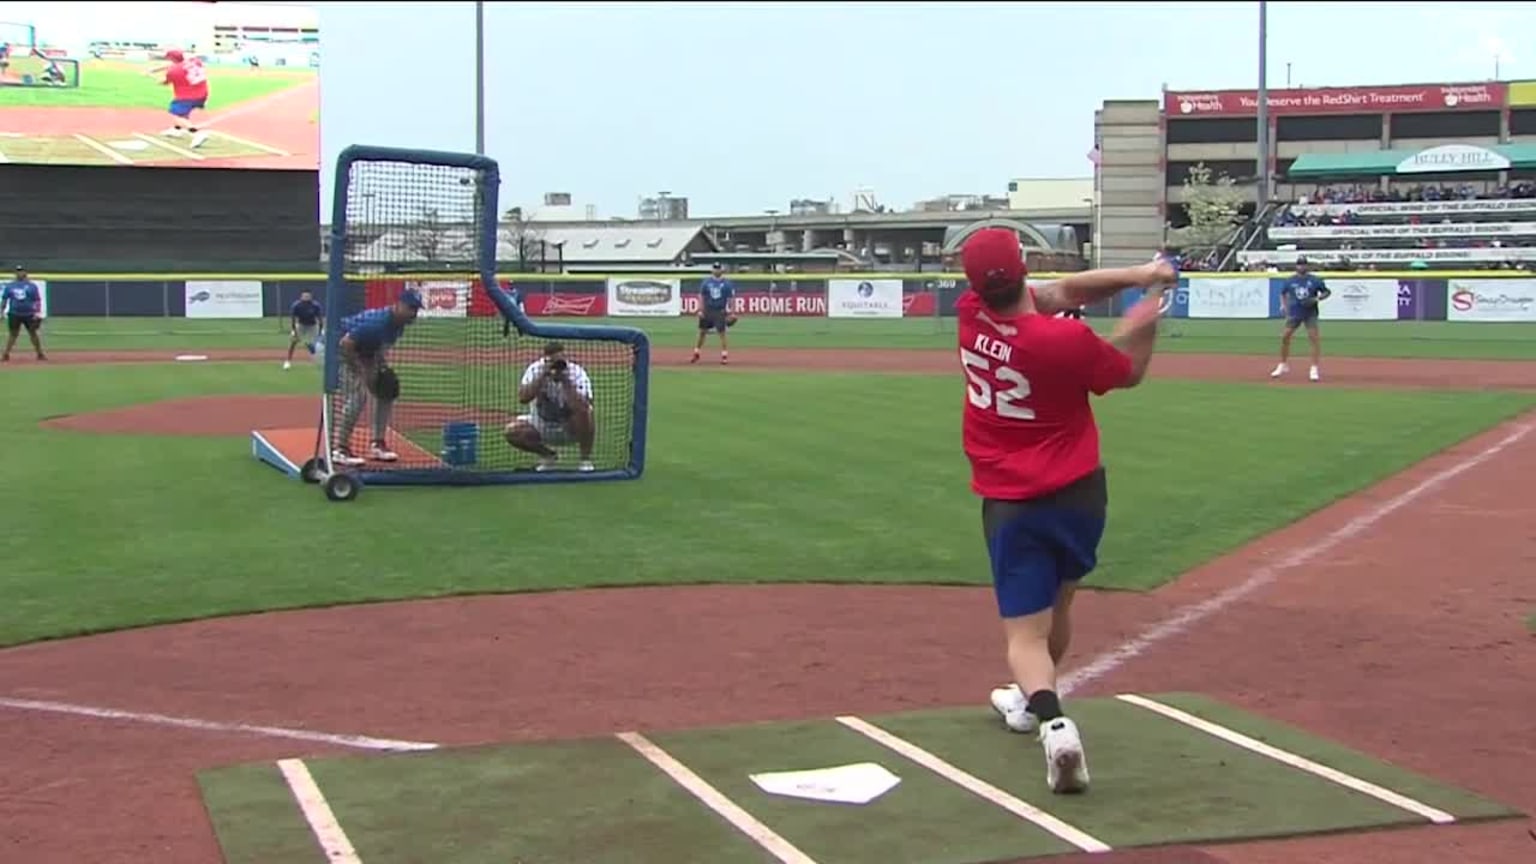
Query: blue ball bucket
[[461, 443]]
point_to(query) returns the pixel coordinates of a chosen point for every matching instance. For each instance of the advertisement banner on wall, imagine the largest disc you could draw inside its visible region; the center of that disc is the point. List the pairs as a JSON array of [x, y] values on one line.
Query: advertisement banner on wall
[[1360, 300], [1425, 208], [1380, 232], [864, 298], [1229, 298], [443, 298], [775, 304], [240, 299], [645, 298], [565, 305], [1337, 100], [1490, 300]]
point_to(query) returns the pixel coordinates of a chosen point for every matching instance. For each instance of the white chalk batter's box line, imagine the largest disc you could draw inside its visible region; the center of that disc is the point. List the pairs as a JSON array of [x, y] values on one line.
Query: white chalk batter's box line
[[339, 849]]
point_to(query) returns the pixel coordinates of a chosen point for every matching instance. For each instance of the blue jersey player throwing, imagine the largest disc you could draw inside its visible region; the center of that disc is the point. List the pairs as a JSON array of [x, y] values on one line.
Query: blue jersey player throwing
[[715, 295], [365, 338], [306, 324], [1298, 300]]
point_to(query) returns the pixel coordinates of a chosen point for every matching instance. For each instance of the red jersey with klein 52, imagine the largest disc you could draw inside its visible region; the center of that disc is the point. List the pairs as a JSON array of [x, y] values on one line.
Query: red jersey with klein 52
[[1028, 427]]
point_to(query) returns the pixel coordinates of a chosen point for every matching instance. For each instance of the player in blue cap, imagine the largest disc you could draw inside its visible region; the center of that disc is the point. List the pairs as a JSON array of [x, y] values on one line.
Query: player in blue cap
[[365, 337]]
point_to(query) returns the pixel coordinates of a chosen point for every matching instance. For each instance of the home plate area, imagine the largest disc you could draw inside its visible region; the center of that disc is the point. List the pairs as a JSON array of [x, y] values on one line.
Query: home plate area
[[946, 786]]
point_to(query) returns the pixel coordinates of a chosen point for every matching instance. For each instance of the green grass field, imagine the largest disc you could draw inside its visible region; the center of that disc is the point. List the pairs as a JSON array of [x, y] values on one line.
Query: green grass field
[[1407, 339], [839, 478], [119, 84]]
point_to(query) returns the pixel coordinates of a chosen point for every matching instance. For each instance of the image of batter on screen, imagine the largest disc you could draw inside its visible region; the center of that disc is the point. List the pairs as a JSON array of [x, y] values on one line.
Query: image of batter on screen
[[188, 80], [306, 325], [715, 296], [559, 394], [365, 340]]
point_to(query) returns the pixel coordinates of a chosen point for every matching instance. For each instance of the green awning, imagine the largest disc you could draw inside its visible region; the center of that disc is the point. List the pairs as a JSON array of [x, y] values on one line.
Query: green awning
[[1434, 160]]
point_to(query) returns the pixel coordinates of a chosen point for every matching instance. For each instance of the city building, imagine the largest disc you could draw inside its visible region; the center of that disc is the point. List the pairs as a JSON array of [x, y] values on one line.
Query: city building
[[1145, 149]]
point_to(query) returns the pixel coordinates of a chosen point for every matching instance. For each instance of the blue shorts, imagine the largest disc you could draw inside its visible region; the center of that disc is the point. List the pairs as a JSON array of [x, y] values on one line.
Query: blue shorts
[[1306, 318], [714, 319], [184, 107], [1037, 546]]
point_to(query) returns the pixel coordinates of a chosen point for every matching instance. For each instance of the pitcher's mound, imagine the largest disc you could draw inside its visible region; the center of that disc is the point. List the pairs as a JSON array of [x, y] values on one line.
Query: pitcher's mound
[[203, 415]]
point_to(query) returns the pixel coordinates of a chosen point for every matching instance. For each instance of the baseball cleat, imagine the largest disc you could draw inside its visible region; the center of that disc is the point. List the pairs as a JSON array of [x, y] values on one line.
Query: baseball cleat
[[1280, 370], [1314, 374], [199, 140], [546, 464], [287, 364], [1066, 766], [695, 357], [381, 453], [1009, 703], [343, 457], [586, 465]]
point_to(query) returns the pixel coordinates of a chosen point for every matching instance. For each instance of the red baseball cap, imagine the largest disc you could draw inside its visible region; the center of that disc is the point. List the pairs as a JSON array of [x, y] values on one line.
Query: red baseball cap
[[175, 54], [994, 261]]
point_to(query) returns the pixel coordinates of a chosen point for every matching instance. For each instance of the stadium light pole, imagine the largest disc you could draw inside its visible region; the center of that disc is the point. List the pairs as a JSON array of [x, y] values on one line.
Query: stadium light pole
[[1263, 94], [479, 78]]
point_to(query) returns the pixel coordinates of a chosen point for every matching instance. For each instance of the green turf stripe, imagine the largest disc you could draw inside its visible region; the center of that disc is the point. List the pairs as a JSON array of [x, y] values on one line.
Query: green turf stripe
[[1463, 805], [925, 818], [594, 801], [255, 817], [1154, 781]]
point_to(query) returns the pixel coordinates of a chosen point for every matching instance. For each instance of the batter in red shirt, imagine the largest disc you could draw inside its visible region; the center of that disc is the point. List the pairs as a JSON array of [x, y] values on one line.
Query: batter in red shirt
[[1033, 445], [189, 92]]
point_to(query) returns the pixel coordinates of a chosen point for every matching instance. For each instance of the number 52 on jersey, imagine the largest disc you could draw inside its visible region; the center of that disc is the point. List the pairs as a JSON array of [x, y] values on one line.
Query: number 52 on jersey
[[994, 385]]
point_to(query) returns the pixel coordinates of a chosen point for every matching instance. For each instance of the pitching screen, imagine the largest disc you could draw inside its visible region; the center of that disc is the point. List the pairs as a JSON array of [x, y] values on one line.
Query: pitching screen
[[414, 246]]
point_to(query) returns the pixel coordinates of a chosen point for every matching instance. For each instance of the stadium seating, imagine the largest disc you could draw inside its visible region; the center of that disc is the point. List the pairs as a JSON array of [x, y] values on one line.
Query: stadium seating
[[1406, 226]]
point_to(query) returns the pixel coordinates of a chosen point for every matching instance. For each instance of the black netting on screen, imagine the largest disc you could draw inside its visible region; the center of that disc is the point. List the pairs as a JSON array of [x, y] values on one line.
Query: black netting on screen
[[415, 230]]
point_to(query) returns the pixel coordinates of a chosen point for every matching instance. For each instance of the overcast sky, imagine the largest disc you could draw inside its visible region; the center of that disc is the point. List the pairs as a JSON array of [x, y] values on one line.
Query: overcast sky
[[743, 106]]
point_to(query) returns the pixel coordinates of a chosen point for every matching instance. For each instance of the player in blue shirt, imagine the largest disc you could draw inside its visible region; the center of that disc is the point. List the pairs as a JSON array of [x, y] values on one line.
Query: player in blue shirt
[[1298, 299], [715, 294], [23, 304], [306, 323], [365, 339]]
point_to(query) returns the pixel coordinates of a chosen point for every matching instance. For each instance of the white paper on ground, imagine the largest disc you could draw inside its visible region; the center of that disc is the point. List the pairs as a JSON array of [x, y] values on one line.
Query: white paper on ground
[[859, 783]]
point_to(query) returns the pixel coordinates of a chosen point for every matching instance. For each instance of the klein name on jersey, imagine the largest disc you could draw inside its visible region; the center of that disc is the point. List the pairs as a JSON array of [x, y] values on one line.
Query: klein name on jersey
[[1001, 351]]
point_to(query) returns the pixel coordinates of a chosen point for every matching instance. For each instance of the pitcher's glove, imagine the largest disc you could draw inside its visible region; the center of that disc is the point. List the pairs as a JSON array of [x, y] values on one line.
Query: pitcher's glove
[[385, 384]]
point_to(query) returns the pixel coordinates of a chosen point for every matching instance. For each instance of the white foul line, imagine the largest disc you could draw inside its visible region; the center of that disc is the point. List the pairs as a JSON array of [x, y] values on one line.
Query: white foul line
[[1188, 616], [976, 786], [103, 149], [360, 742], [1301, 763], [714, 799], [317, 812], [254, 145]]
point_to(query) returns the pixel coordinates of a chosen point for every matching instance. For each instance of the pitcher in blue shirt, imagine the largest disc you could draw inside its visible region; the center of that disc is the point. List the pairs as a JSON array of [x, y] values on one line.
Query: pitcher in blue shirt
[[365, 337], [715, 295], [1298, 300], [23, 304]]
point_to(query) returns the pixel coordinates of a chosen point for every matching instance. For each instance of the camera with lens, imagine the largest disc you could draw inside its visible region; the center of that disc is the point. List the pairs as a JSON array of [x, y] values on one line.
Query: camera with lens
[[557, 366]]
